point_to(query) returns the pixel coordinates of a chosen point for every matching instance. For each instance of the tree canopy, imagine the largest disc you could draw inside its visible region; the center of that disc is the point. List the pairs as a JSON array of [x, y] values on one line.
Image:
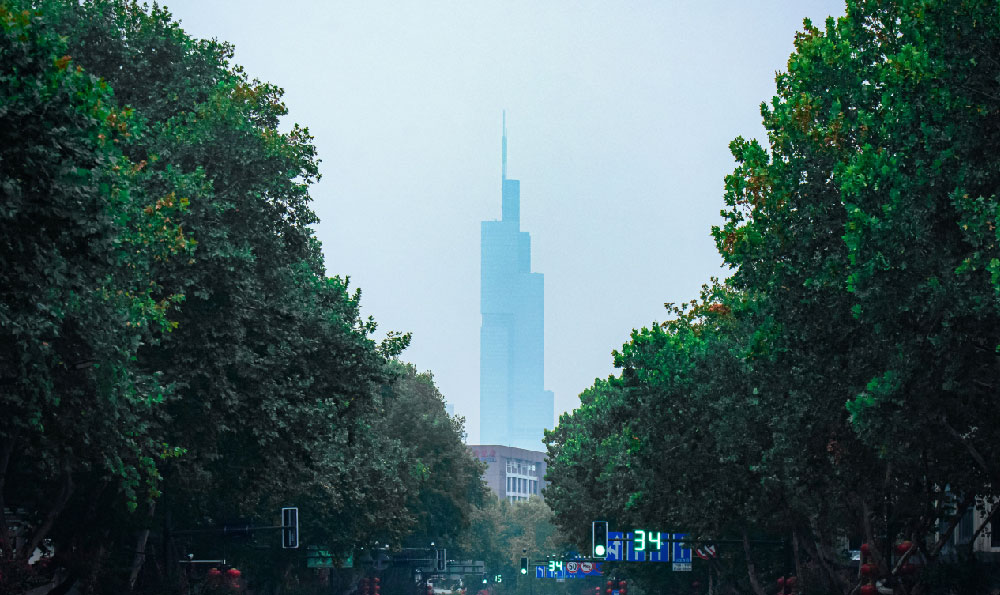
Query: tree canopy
[[173, 353], [839, 387]]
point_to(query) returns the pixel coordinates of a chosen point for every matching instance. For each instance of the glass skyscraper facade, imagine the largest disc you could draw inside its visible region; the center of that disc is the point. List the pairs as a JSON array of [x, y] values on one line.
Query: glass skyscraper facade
[[514, 406]]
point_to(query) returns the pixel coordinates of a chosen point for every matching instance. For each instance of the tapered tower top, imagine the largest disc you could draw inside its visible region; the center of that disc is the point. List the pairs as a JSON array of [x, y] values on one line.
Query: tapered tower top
[[510, 190], [503, 146]]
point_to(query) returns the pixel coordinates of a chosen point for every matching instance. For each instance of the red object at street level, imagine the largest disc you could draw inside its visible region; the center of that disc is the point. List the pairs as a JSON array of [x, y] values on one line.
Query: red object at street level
[[865, 549], [904, 547], [234, 578], [869, 570], [214, 578], [786, 585], [869, 590]]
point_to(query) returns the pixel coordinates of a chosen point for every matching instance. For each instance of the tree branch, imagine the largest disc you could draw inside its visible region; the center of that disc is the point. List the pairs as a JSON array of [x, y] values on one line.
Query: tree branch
[[973, 451], [989, 518], [966, 502], [65, 491]]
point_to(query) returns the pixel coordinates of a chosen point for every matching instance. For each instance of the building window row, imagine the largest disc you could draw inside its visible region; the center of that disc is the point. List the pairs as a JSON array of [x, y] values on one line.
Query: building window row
[[522, 467], [522, 485]]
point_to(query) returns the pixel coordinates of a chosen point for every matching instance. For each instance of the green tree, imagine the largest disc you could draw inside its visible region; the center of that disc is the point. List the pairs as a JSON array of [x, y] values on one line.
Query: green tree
[[270, 381], [85, 229], [863, 244], [876, 193], [445, 480], [500, 533]]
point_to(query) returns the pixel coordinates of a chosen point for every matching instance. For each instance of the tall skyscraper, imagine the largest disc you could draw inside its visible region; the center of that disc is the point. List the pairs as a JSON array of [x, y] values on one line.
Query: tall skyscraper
[[513, 404]]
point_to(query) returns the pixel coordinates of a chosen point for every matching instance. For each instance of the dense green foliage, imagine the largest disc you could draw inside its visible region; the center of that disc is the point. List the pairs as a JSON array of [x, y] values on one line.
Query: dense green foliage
[[841, 386], [173, 354], [432, 449], [500, 533]]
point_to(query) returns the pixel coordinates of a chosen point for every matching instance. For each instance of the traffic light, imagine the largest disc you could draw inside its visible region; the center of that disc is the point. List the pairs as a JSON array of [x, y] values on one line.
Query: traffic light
[[524, 565], [442, 559], [290, 528], [599, 539], [375, 588]]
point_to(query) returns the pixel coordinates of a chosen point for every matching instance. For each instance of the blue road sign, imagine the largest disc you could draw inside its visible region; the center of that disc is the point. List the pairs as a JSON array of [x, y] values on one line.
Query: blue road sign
[[571, 569], [616, 548], [621, 549], [681, 554]]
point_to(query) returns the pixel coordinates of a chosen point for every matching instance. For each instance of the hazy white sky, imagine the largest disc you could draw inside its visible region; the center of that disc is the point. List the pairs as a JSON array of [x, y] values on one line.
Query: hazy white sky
[[619, 117]]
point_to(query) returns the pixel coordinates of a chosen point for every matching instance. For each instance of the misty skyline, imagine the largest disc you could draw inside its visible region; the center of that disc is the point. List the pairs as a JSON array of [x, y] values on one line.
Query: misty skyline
[[619, 119]]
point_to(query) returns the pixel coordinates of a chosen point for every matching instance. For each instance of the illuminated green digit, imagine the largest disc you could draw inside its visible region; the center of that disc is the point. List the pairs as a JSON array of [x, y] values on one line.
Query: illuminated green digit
[[639, 543], [654, 540]]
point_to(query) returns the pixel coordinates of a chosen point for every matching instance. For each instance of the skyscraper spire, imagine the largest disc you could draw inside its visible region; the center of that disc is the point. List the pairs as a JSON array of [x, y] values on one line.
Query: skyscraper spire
[[503, 166], [515, 409]]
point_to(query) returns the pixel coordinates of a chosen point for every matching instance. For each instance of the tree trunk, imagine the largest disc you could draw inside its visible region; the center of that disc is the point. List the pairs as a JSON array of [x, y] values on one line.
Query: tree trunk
[[140, 551], [870, 536], [795, 554], [62, 588], [751, 570], [834, 577], [6, 449]]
